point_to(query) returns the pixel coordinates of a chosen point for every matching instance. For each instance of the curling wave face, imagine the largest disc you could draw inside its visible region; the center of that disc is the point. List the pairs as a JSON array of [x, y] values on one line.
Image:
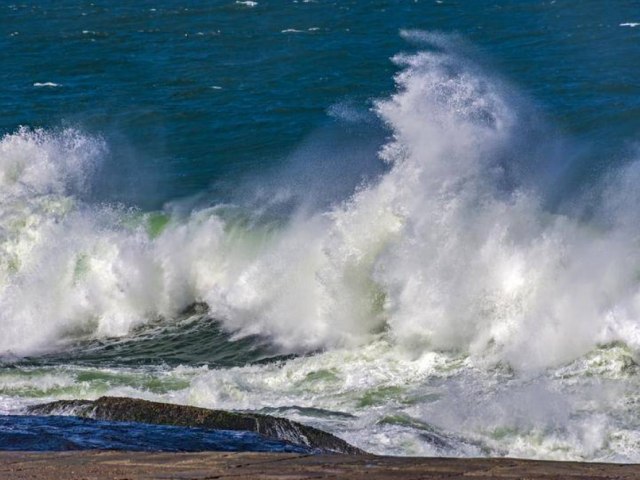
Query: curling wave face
[[449, 273]]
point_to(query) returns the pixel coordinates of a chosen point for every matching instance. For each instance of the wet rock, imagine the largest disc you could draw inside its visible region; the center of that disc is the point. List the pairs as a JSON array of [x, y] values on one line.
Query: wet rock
[[120, 409]]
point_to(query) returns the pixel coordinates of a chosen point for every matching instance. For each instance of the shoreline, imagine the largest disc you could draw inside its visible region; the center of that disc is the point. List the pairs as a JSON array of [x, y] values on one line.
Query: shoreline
[[99, 464]]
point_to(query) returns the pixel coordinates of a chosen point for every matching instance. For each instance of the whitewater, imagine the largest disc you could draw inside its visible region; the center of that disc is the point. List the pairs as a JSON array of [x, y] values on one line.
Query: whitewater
[[453, 304]]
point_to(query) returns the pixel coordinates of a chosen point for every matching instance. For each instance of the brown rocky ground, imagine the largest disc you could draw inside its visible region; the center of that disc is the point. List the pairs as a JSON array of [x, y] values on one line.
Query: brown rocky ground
[[270, 466]]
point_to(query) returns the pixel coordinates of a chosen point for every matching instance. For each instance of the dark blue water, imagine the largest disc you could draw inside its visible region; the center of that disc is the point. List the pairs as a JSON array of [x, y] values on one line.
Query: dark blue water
[[51, 433], [195, 94]]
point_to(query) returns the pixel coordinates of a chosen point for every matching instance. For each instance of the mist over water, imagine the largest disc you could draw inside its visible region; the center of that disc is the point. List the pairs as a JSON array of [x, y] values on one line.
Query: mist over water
[[428, 273]]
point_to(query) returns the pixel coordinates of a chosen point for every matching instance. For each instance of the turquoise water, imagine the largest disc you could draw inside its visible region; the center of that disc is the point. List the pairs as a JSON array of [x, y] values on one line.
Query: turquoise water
[[413, 224]]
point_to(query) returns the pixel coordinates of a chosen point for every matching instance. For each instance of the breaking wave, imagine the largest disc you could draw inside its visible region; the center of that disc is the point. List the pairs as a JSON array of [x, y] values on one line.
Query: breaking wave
[[454, 248]]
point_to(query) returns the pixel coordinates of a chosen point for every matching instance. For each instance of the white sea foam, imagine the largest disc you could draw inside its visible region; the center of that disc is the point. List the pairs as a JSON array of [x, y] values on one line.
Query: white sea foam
[[630, 24], [46, 84], [247, 3], [387, 400]]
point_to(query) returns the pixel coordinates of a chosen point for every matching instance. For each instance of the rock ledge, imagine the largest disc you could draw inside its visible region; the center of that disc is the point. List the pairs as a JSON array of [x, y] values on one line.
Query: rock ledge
[[121, 409]]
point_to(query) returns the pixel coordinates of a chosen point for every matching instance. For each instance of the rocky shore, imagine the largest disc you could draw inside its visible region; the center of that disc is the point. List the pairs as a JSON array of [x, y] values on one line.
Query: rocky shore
[[331, 458], [275, 466]]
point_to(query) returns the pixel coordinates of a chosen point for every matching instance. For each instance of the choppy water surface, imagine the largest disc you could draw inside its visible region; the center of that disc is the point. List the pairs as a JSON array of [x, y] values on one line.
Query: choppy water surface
[[414, 225]]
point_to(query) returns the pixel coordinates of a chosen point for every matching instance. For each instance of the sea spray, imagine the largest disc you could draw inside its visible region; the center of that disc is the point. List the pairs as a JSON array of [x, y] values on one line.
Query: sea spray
[[451, 249]]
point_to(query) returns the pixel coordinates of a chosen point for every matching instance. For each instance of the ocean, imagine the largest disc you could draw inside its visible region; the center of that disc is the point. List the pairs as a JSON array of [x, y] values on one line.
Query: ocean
[[412, 224]]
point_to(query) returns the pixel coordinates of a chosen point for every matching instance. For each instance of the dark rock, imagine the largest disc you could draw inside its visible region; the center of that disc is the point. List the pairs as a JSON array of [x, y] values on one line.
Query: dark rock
[[119, 409]]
